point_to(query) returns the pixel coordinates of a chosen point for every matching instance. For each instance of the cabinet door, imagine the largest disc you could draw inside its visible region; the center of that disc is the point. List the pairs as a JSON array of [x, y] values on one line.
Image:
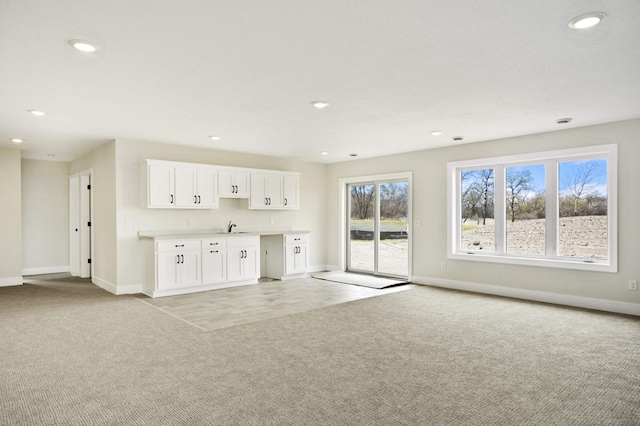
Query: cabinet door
[[186, 178], [234, 264], [302, 259], [296, 258], [167, 274], [207, 188], [273, 191], [243, 184], [214, 266], [160, 180], [258, 199], [250, 264], [291, 192], [226, 187], [290, 259], [189, 271]]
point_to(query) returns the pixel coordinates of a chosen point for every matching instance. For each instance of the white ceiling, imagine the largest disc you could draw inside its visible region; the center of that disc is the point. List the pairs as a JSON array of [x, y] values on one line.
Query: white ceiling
[[178, 71]]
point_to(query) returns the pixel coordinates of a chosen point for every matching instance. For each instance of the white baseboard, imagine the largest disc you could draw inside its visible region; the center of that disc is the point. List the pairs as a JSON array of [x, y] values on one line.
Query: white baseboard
[[538, 296], [320, 268], [45, 270], [9, 281], [116, 289]]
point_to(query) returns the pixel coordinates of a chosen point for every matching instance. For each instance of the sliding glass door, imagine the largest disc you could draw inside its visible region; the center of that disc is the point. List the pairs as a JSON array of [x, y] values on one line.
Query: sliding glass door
[[377, 234]]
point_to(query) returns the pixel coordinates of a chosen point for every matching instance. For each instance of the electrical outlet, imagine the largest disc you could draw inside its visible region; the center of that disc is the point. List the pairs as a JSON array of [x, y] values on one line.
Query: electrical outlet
[[190, 223], [271, 221], [443, 265], [417, 223], [633, 285]]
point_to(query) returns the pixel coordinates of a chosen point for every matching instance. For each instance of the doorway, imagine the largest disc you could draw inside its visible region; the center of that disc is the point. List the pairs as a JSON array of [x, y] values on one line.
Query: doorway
[[377, 218]]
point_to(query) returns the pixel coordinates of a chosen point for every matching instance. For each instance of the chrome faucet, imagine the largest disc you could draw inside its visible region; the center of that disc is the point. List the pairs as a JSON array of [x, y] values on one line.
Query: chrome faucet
[[230, 227]]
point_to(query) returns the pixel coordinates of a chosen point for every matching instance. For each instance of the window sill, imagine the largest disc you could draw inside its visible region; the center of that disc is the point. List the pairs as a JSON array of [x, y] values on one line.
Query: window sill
[[595, 266]]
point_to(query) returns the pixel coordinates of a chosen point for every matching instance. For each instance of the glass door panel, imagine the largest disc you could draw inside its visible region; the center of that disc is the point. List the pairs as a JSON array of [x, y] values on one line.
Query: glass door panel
[[361, 228], [393, 227]]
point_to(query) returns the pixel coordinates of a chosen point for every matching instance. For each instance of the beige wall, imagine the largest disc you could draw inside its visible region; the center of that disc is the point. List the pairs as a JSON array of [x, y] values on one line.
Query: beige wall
[[429, 206], [129, 154], [103, 186], [45, 217], [10, 218]]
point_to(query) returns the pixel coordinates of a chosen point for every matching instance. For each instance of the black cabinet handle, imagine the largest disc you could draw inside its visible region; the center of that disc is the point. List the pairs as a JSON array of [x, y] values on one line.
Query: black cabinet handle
[[285, 201], [171, 198], [179, 245], [265, 201], [195, 199], [182, 256], [213, 244], [214, 251], [178, 258]]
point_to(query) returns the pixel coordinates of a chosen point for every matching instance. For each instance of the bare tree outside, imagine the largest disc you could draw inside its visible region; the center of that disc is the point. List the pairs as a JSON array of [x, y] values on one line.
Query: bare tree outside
[[519, 184], [362, 201], [478, 203], [583, 197]]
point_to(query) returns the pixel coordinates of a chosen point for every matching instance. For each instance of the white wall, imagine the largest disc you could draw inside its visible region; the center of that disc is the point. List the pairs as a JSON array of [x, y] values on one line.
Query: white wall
[[10, 218], [103, 188], [429, 205], [45, 217], [311, 216]]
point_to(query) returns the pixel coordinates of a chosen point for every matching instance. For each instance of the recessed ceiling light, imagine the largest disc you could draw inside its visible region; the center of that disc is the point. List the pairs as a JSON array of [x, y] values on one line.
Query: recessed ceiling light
[[320, 104], [83, 45], [324, 153], [214, 138], [436, 133], [564, 120], [457, 138], [587, 20], [36, 112], [17, 140]]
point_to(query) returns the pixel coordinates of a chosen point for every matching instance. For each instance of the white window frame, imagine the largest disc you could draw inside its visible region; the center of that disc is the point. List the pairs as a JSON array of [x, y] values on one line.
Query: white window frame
[[550, 159]]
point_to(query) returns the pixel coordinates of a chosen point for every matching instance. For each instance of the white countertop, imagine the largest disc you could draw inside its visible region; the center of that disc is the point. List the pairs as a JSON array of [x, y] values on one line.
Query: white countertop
[[211, 233]]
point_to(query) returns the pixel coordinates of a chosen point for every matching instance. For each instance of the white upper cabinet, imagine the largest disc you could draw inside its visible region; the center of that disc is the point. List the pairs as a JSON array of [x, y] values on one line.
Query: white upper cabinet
[[160, 185], [234, 183], [181, 185], [274, 190], [170, 184], [291, 192]]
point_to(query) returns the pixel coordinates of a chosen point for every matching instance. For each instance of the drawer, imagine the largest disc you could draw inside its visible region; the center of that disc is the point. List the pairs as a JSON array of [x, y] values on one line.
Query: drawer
[[214, 243], [248, 241], [177, 245], [296, 238]]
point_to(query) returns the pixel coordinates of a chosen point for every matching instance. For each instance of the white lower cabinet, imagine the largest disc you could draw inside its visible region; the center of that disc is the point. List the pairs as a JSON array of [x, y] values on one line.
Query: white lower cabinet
[[191, 265], [214, 261], [287, 256], [242, 258], [177, 264], [296, 259]]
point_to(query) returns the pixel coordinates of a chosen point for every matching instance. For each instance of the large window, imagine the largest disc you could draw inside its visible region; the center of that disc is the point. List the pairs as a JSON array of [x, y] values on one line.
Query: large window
[[555, 209]]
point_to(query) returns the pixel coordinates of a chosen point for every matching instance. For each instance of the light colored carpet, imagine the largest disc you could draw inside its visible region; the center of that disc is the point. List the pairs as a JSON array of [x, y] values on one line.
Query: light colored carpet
[[358, 279], [74, 354]]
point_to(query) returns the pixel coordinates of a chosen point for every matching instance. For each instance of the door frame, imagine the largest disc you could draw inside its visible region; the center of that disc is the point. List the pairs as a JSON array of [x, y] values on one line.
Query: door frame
[[342, 214]]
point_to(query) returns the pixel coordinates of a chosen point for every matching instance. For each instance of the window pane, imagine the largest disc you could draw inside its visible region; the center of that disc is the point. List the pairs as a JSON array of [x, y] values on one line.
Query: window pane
[[583, 199], [525, 209], [477, 213]]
